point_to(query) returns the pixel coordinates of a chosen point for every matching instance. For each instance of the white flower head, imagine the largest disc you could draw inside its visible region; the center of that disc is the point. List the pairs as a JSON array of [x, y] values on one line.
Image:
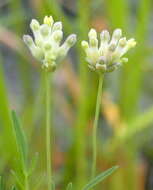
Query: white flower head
[[46, 46], [107, 55]]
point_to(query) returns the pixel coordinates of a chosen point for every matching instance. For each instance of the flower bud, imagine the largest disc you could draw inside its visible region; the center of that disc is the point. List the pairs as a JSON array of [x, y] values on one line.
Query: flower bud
[[85, 45], [117, 34], [71, 40], [57, 26], [112, 47], [122, 42], [131, 43], [104, 36], [39, 41], [92, 33], [93, 42], [44, 29], [34, 25], [28, 40], [37, 53], [48, 20], [124, 60], [58, 35], [120, 49]]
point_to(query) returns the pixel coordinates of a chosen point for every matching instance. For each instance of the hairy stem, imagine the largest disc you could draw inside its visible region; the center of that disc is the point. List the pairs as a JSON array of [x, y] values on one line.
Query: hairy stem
[[95, 125]]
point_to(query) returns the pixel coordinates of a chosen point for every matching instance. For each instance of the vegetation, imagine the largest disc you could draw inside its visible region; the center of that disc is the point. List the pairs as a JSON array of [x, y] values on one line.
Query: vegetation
[[69, 98]]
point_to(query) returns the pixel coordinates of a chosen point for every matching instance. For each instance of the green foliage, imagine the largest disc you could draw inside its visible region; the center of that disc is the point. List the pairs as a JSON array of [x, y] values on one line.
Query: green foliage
[[69, 186], [13, 188], [132, 76], [1, 183], [5, 120], [74, 98], [33, 164], [100, 178], [53, 186], [18, 179], [20, 140], [22, 178]]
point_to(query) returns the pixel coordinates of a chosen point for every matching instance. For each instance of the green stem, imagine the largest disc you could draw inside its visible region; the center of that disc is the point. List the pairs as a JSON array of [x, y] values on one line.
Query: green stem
[[48, 131], [26, 182], [95, 125]]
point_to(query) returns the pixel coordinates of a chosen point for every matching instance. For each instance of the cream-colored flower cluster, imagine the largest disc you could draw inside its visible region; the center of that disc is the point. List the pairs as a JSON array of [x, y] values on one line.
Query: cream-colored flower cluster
[[105, 56], [108, 55], [46, 44]]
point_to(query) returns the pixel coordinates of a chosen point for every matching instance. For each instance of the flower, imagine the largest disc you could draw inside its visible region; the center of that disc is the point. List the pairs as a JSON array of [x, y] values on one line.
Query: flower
[[108, 55], [46, 44]]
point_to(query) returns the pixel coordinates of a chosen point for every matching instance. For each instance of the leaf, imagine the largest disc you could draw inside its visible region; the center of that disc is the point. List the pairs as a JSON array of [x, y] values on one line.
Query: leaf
[[33, 163], [17, 179], [53, 186], [100, 178], [1, 188], [69, 186], [20, 139], [119, 17], [137, 125], [132, 76], [13, 188], [39, 181], [5, 120]]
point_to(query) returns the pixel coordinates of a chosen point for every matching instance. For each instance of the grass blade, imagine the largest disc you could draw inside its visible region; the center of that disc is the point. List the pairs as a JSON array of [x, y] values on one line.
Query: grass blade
[[53, 186], [13, 188], [138, 124], [33, 164], [132, 73], [18, 180], [120, 17], [1, 183], [69, 186], [6, 134], [20, 139], [100, 178], [83, 19]]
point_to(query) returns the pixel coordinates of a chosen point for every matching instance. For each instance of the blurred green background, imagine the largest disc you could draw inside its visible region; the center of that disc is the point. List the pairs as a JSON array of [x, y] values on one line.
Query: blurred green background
[[125, 135]]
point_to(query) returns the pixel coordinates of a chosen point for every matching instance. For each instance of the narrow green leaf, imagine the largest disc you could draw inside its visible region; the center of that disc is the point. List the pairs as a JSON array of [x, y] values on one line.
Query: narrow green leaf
[[17, 179], [13, 188], [53, 186], [69, 186], [39, 181], [133, 74], [33, 163], [5, 119], [121, 16], [1, 183], [20, 139], [138, 124], [100, 178]]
